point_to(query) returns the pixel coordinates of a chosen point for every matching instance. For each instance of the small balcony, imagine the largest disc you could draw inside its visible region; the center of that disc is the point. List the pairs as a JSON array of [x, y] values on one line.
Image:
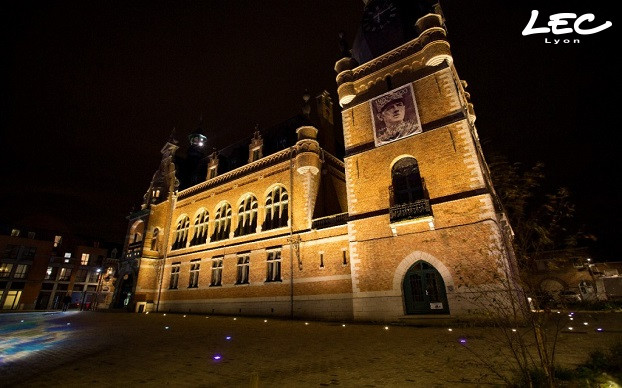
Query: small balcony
[[412, 210], [327, 222]]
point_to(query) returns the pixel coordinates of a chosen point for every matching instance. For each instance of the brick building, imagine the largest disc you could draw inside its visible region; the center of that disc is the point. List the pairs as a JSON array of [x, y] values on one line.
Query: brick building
[[399, 221], [38, 268]]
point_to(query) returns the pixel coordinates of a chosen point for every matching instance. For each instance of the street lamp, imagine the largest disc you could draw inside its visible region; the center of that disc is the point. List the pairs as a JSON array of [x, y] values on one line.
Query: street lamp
[[99, 284]]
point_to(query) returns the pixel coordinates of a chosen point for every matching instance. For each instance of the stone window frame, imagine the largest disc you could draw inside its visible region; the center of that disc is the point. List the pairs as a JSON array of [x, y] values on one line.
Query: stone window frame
[[217, 266], [174, 279], [193, 279]]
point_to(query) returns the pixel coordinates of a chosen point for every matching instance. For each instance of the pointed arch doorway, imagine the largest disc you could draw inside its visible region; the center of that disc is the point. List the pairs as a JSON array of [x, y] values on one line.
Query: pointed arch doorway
[[424, 290]]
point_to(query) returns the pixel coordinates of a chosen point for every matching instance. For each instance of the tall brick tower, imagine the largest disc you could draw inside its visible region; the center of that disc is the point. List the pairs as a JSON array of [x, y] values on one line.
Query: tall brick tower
[[426, 232]]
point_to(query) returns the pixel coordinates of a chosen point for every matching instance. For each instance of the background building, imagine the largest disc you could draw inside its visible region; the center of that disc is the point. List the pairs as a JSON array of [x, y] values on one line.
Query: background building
[[39, 268]]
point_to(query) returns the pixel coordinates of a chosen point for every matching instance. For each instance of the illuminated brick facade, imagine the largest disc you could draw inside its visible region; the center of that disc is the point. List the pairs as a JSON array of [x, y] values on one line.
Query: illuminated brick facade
[[413, 227]]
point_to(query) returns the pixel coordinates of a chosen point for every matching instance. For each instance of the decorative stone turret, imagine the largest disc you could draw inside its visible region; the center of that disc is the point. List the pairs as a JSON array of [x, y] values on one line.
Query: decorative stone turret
[[255, 149]]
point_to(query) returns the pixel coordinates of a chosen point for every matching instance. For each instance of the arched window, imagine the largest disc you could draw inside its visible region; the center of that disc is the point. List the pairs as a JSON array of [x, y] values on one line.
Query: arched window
[[201, 221], [222, 222], [181, 233], [247, 216], [408, 194], [276, 208], [136, 231], [407, 182], [154, 239]]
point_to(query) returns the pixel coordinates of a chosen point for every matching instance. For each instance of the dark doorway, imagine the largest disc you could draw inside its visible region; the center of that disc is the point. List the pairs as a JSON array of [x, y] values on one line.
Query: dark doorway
[[424, 290]]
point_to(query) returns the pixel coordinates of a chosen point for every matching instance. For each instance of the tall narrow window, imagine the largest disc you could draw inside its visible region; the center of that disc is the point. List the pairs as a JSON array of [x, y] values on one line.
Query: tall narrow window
[[222, 222], [344, 257], [181, 233], [243, 269], [407, 183], [274, 266], [174, 275], [84, 260], [247, 216], [276, 208], [154, 239], [5, 270], [408, 195], [216, 272], [200, 228], [194, 273]]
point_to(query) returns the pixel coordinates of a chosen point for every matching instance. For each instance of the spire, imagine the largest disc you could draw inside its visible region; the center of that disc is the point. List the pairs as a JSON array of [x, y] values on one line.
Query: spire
[[306, 106], [344, 47], [198, 138], [171, 138]]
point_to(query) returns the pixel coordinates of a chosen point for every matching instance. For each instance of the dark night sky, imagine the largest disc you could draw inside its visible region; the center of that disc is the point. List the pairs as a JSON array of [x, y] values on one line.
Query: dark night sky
[[91, 91]]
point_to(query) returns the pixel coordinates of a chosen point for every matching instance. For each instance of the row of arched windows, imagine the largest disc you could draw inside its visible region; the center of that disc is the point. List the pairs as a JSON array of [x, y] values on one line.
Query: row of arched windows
[[276, 217]]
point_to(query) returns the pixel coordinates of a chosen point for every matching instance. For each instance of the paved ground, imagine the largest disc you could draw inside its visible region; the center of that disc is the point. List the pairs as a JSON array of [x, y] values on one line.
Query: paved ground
[[78, 349]]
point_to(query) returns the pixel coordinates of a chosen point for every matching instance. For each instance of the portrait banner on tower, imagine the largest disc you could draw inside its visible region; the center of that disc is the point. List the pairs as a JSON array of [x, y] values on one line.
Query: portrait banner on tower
[[395, 115]]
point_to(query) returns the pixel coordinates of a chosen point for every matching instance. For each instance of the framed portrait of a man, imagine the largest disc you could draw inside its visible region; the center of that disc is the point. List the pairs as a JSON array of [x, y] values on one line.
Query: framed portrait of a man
[[395, 115]]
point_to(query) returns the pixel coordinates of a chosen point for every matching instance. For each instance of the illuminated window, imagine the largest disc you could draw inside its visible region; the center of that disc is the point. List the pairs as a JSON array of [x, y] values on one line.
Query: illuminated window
[[222, 222], [57, 241], [84, 260], [243, 269], [64, 274], [174, 275], [194, 273], [154, 239], [216, 271], [247, 216], [67, 255], [51, 272], [181, 233], [200, 228], [276, 208], [5, 270], [21, 271], [11, 302], [15, 232], [274, 266]]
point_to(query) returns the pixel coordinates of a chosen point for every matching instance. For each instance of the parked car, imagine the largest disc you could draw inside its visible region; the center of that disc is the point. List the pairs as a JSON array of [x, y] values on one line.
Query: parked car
[[569, 296]]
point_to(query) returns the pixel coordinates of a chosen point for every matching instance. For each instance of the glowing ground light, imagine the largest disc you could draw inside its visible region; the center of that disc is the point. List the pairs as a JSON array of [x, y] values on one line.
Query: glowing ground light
[[386, 327], [306, 323], [22, 321], [344, 325], [164, 314], [165, 327], [462, 341], [599, 329], [450, 329], [146, 312], [228, 337], [184, 316], [570, 327], [217, 357], [585, 323], [235, 319], [68, 323], [265, 320], [514, 330], [572, 319]]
